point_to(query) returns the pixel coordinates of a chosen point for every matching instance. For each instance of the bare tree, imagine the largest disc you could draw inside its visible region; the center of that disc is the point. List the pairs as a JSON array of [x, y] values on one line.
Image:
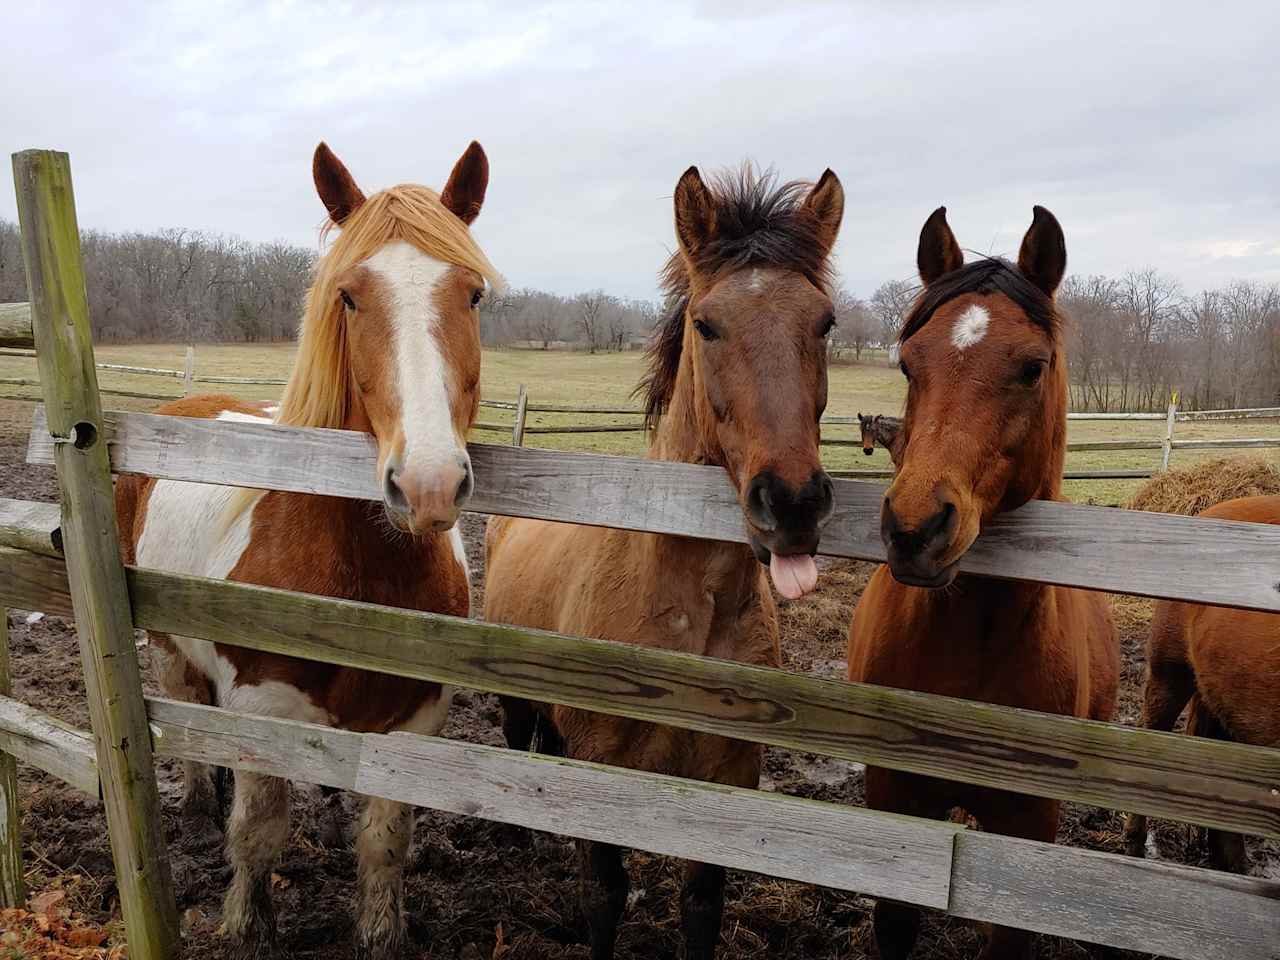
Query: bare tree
[[591, 307], [889, 305], [856, 326]]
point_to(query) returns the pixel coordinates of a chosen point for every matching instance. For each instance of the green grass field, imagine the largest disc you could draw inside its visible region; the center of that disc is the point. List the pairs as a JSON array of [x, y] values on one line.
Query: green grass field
[[607, 379]]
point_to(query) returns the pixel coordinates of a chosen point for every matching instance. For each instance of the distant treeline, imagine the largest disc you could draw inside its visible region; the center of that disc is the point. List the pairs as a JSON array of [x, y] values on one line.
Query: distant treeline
[[1132, 339]]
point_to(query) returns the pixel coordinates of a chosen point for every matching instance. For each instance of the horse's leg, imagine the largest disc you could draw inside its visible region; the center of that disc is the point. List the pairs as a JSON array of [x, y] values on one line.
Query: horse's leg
[[201, 794], [603, 886], [1170, 684], [1226, 850], [333, 818], [382, 845], [518, 722], [1032, 818], [701, 909], [257, 833]]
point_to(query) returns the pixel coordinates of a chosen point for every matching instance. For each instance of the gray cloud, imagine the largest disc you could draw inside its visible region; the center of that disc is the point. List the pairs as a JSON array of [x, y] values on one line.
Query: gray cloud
[[1151, 130]]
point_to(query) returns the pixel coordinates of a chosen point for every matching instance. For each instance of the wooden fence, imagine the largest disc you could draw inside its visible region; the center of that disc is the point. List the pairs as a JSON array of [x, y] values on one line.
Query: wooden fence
[[66, 562]]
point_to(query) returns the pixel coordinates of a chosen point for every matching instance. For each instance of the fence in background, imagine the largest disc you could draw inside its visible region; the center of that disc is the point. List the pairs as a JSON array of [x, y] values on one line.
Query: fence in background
[[14, 316]]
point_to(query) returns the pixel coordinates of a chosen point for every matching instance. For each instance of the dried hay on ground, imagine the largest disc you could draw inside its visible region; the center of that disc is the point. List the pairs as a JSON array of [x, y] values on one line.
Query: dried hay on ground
[[1192, 489]]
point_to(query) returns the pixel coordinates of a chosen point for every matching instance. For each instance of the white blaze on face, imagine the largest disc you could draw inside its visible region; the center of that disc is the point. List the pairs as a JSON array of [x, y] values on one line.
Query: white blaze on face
[[422, 380], [970, 327]]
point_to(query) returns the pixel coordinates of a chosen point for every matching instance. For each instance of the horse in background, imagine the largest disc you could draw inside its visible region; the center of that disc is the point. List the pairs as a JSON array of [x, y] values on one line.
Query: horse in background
[[984, 432], [880, 430], [1226, 663], [389, 346], [737, 378]]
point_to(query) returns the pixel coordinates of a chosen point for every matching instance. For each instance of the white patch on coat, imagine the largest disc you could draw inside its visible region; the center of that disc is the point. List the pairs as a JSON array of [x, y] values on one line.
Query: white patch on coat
[[459, 551], [188, 528], [272, 698], [422, 380], [970, 327], [428, 720]]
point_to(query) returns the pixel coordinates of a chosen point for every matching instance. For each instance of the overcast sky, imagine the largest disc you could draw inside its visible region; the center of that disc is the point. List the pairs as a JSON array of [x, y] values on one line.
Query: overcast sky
[[1151, 130]]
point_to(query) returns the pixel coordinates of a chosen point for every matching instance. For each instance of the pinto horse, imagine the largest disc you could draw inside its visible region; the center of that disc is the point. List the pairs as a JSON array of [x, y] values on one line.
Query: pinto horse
[[1226, 662], [737, 378], [984, 432], [389, 346]]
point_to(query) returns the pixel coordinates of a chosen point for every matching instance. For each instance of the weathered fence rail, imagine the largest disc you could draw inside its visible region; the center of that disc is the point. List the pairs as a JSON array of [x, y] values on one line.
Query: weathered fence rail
[[1174, 911]]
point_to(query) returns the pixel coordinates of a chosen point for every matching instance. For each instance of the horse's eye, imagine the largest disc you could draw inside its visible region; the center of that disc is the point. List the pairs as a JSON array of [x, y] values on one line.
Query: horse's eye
[[828, 326], [903, 367], [1031, 373], [346, 300], [476, 298], [704, 331]]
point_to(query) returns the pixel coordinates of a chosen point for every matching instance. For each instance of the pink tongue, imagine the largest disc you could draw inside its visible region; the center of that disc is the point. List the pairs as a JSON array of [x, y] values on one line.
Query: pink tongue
[[793, 576]]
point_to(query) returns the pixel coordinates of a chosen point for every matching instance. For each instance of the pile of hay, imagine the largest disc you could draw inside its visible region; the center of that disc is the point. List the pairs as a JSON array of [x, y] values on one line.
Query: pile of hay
[[1192, 489]]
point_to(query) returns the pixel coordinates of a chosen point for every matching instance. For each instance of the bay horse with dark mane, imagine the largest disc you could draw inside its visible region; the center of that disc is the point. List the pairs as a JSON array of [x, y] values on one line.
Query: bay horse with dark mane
[[984, 432], [389, 346], [880, 430], [737, 378], [1226, 663]]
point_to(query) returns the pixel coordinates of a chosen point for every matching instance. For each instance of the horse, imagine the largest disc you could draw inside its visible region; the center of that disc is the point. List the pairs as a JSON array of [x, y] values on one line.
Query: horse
[[880, 429], [1226, 662], [389, 345], [984, 431], [736, 378]]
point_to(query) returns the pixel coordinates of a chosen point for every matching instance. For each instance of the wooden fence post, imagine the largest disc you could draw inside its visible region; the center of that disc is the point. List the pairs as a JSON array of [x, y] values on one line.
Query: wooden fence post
[[189, 371], [13, 891], [100, 599], [1167, 446], [522, 404]]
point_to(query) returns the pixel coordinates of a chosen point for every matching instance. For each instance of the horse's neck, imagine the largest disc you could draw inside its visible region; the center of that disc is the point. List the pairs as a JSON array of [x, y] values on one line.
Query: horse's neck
[[676, 565], [974, 608]]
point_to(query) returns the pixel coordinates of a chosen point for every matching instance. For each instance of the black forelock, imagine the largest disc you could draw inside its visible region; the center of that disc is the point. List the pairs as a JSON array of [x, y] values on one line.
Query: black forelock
[[985, 276]]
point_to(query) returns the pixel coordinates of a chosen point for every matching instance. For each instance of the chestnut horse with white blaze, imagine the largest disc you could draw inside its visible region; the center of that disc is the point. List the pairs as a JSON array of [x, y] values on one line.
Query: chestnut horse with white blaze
[[737, 378], [1226, 663], [984, 431], [389, 345]]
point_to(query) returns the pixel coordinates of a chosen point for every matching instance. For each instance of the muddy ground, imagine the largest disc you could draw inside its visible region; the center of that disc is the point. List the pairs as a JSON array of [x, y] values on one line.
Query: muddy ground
[[477, 890]]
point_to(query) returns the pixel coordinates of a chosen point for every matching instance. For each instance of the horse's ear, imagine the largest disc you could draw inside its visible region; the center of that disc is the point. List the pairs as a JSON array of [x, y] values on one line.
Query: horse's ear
[[826, 202], [695, 213], [938, 253], [1043, 257], [464, 193], [336, 186]]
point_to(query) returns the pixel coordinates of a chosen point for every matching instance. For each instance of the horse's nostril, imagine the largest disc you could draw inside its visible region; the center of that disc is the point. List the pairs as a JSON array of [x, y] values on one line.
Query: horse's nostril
[[393, 493], [760, 504], [465, 487]]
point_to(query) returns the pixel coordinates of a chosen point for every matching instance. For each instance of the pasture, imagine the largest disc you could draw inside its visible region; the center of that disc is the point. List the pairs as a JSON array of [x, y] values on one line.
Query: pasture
[[466, 872], [577, 378]]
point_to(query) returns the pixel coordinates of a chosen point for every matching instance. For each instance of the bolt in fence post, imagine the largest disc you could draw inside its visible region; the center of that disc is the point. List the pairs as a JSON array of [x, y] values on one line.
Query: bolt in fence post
[[91, 545], [522, 404], [189, 371], [1167, 446], [13, 892]]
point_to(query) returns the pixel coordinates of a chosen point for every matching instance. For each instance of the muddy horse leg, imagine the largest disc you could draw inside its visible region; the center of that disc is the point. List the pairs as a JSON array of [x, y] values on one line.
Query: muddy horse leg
[[255, 837], [386, 828], [333, 818], [701, 909], [1226, 850], [603, 886], [203, 786], [1170, 684]]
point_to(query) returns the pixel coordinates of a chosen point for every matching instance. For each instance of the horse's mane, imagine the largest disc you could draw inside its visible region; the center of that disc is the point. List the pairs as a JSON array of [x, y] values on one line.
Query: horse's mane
[[318, 389], [757, 223], [987, 275]]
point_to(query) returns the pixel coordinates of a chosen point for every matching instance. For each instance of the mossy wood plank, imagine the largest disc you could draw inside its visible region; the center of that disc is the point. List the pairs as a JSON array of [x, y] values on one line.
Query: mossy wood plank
[[104, 624], [1097, 548]]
